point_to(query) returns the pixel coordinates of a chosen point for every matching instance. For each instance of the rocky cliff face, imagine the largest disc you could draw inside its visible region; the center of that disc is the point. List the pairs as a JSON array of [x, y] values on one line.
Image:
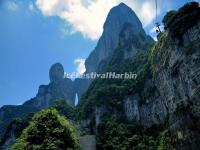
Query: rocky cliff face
[[176, 79], [177, 89], [58, 88]]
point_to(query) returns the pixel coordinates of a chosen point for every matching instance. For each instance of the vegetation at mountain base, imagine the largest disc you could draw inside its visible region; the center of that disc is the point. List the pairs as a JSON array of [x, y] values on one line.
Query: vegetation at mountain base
[[178, 22], [116, 135], [16, 127], [14, 112], [48, 130]]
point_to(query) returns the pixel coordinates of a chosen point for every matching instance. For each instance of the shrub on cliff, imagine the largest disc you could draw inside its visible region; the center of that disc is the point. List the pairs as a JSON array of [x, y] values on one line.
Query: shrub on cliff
[[178, 22], [48, 130], [165, 142]]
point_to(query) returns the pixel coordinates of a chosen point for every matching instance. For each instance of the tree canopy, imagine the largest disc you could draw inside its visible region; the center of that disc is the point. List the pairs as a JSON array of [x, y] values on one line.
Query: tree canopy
[[48, 130]]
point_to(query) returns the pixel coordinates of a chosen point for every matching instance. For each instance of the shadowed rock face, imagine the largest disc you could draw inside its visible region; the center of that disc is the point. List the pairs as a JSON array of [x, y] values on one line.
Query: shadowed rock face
[[56, 73]]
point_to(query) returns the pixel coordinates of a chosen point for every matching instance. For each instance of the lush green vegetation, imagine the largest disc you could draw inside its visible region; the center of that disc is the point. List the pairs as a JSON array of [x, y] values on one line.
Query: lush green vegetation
[[19, 124], [48, 130], [178, 22], [114, 134], [156, 54], [16, 127], [165, 142]]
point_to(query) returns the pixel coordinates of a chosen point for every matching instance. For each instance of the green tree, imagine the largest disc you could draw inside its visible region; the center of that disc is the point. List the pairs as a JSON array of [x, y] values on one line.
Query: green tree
[[48, 131]]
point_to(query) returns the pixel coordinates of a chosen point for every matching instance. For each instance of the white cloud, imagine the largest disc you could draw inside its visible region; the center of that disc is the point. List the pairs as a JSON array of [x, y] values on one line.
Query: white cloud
[[88, 16], [80, 65], [66, 30], [12, 6], [147, 12]]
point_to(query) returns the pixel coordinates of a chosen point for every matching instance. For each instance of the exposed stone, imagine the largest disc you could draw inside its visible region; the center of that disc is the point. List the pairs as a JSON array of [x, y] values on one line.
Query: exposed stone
[[131, 108], [88, 142], [56, 73]]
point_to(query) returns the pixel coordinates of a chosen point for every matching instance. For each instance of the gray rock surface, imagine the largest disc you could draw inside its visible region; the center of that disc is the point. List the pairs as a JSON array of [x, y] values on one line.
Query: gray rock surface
[[131, 108], [177, 81], [56, 73], [88, 142]]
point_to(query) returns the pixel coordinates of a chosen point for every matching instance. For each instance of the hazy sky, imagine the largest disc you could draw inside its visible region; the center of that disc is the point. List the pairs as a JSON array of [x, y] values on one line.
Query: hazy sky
[[34, 34]]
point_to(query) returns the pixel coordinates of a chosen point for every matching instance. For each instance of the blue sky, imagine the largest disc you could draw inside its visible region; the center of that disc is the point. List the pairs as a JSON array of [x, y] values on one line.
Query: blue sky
[[34, 34]]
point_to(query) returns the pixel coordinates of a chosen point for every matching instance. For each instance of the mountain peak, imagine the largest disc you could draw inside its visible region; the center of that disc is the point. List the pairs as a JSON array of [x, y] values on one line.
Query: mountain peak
[[121, 14], [121, 5], [108, 42]]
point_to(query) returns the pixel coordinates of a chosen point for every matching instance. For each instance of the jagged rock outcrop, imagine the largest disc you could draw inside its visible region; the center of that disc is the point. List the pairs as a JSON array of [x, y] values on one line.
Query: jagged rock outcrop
[[131, 108], [59, 88], [56, 73]]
